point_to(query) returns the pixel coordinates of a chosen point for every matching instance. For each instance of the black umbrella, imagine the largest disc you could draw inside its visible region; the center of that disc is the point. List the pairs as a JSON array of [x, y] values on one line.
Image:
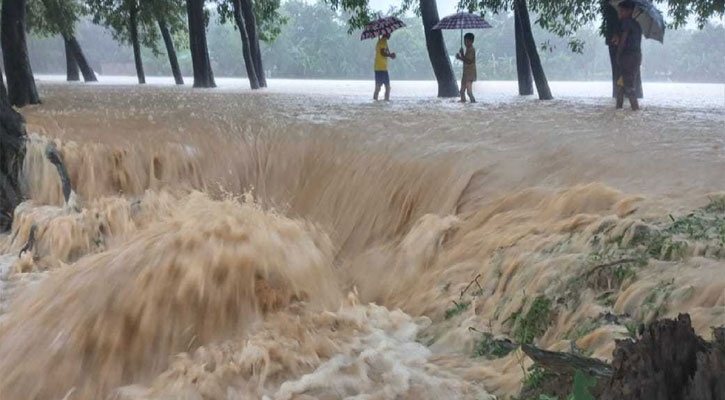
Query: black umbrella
[[650, 19], [463, 20]]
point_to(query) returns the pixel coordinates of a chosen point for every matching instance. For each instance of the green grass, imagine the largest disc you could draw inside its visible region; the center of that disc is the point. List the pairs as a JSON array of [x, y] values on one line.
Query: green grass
[[632, 328], [534, 378], [534, 323], [457, 309], [715, 206], [582, 383]]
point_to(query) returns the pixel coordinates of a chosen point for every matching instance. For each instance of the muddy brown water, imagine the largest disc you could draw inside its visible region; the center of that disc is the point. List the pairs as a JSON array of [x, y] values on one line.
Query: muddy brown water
[[278, 245]]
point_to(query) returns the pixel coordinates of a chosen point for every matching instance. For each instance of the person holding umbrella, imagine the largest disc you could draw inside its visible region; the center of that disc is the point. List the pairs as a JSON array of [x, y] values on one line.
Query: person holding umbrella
[[464, 20], [382, 78], [629, 54], [469, 68], [382, 28], [637, 18]]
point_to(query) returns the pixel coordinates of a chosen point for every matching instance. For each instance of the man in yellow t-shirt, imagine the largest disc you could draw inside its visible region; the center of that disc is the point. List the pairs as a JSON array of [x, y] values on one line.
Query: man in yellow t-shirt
[[382, 53]]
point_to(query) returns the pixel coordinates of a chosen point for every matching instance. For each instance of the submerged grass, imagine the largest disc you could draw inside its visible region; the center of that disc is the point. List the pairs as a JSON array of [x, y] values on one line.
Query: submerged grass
[[457, 309], [534, 323]]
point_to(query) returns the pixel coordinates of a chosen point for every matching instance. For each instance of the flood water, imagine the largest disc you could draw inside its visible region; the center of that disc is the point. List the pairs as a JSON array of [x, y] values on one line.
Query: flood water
[[304, 242]]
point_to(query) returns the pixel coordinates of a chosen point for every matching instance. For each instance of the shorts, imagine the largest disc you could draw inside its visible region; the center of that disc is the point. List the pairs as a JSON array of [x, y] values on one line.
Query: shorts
[[629, 65], [382, 78]]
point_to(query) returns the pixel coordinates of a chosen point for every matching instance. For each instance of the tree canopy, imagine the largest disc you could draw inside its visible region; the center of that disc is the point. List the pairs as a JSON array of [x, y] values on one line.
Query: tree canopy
[[269, 19], [53, 17], [115, 15], [566, 17]]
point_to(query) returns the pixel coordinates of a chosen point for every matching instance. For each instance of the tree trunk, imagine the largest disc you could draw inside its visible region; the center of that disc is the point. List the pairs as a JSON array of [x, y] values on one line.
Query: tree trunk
[[12, 153], [3, 91], [523, 64], [611, 28], [542, 85], [71, 66], [640, 91], [442, 68], [171, 51], [615, 74], [21, 84], [133, 30], [246, 45], [80, 58], [203, 75], [615, 68], [669, 361], [250, 21]]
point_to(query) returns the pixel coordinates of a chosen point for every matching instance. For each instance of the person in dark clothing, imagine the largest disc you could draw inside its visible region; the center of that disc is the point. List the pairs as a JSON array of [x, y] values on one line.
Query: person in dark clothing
[[629, 54]]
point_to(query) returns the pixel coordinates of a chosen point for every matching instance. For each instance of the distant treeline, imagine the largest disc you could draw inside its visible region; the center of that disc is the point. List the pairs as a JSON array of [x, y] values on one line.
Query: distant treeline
[[314, 44]]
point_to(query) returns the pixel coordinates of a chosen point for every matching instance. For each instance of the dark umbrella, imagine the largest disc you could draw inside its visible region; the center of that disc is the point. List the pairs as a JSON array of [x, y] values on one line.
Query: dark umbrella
[[463, 20], [650, 19], [381, 26]]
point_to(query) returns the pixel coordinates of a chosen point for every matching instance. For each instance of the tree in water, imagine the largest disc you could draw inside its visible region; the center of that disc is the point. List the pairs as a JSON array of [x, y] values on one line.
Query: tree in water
[[21, 83], [528, 62], [439, 60], [133, 11], [565, 17], [58, 18], [250, 21], [529, 44], [244, 33], [203, 75], [12, 153], [171, 52], [142, 23], [123, 18], [71, 65], [170, 16], [254, 21], [523, 64]]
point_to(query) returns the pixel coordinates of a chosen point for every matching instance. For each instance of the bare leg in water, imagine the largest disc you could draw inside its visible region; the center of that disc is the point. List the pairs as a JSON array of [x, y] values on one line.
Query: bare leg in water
[[377, 92], [467, 87]]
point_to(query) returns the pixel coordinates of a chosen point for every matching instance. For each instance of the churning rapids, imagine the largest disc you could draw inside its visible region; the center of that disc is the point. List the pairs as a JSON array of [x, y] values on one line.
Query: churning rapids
[[227, 245]]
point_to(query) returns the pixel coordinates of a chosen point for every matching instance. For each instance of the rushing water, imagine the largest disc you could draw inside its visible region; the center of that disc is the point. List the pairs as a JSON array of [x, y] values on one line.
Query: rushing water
[[304, 242]]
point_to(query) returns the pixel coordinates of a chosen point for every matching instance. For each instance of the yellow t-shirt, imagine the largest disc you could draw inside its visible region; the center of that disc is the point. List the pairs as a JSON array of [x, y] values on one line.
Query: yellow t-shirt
[[381, 62]]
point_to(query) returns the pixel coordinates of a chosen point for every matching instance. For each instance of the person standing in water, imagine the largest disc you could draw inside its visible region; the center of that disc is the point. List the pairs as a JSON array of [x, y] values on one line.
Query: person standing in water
[[629, 54], [382, 53], [468, 58]]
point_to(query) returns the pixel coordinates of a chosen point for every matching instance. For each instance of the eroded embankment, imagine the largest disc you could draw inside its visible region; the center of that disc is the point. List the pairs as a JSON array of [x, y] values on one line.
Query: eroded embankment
[[159, 284]]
